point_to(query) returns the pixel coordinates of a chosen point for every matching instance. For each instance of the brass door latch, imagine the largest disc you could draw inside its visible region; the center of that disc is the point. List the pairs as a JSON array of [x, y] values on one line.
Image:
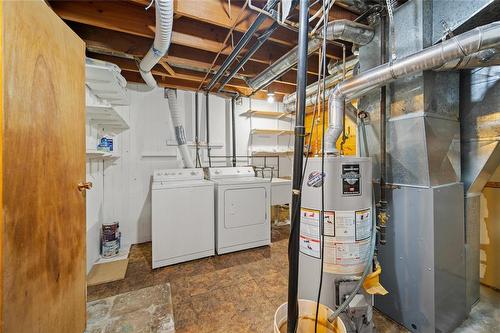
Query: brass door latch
[[84, 186]]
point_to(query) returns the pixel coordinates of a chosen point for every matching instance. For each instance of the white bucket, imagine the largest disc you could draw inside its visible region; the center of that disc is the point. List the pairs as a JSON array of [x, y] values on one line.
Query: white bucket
[[307, 309]]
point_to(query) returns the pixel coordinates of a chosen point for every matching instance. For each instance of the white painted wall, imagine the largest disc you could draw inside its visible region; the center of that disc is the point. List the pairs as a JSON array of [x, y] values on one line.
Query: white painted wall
[[124, 194]]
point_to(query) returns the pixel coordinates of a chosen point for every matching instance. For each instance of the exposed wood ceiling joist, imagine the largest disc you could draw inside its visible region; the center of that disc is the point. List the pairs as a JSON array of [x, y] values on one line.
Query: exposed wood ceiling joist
[[178, 56], [200, 27]]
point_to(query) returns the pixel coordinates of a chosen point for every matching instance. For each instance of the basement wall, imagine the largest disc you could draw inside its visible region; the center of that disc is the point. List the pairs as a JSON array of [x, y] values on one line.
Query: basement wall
[[122, 187]]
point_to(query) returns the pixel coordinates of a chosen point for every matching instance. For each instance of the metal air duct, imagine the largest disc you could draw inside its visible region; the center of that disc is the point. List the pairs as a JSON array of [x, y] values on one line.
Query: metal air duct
[[484, 58], [468, 43], [330, 81], [345, 30]]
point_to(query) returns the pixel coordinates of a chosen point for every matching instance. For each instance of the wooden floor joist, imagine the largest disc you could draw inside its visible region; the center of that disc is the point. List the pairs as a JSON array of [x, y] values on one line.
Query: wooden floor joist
[[126, 29]]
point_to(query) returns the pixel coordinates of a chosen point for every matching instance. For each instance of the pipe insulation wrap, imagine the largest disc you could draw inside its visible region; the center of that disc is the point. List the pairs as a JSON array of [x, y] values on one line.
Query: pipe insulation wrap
[[163, 35], [177, 122], [463, 45]]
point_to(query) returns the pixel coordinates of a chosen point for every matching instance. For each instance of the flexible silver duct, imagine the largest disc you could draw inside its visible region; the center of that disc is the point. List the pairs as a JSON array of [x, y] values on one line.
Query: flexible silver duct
[[463, 45], [177, 122], [163, 34], [346, 30]]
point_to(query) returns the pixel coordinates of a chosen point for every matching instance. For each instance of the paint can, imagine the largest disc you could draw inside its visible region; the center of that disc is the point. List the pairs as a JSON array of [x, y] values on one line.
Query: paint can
[[110, 239]]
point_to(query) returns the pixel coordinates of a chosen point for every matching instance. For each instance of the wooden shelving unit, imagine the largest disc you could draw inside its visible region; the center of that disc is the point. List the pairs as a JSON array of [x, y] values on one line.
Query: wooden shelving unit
[[272, 153], [262, 131], [266, 114]]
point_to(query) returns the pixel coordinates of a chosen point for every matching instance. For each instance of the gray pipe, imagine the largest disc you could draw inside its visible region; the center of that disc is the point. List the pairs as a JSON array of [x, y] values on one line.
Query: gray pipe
[[345, 30], [463, 45]]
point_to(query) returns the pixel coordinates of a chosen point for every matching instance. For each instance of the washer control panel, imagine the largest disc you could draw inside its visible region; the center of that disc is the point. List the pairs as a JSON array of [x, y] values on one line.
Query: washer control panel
[[177, 174]]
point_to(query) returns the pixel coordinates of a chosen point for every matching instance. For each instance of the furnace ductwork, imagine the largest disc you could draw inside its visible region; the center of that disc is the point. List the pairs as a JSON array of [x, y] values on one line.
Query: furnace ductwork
[[463, 45], [484, 58], [177, 122], [336, 75], [163, 34], [350, 31], [345, 30]]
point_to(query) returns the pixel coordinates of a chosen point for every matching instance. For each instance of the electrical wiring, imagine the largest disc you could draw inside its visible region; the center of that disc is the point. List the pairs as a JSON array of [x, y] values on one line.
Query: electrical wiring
[[326, 10]]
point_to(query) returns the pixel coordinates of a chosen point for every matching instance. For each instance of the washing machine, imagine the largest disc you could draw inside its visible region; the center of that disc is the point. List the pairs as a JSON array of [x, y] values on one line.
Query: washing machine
[[182, 225], [242, 209]]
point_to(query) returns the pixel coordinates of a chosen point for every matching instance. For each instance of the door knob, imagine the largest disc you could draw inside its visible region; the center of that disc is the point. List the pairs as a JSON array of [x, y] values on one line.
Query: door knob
[[84, 186]]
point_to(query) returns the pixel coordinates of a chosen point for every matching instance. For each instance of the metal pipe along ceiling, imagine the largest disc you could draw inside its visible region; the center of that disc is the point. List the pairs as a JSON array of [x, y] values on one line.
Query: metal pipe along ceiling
[[345, 30], [463, 45], [260, 40], [241, 44]]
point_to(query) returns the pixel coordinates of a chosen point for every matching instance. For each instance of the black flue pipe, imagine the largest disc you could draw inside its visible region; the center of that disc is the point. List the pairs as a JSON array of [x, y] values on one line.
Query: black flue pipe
[[233, 128], [382, 205], [298, 157], [241, 44], [261, 40], [207, 121]]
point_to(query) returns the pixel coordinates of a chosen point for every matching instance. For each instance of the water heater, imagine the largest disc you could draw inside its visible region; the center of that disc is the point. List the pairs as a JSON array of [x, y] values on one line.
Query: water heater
[[347, 225]]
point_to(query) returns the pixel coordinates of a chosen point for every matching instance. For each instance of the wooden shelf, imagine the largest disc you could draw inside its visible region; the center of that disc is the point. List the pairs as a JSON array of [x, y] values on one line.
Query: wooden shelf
[[266, 114], [259, 131], [272, 153]]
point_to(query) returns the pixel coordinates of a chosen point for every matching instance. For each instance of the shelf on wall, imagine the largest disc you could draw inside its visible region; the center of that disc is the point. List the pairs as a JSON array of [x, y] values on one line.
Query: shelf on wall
[[261, 131], [106, 116], [95, 154], [105, 80], [266, 114], [272, 153]]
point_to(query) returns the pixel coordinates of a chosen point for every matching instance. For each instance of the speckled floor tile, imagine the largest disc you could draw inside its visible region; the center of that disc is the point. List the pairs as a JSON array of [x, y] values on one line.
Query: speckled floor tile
[[145, 310], [236, 292]]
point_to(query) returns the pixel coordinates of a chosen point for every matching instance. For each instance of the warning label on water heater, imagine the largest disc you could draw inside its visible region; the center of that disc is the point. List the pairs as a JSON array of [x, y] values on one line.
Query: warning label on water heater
[[345, 229], [310, 242], [350, 254], [329, 223], [363, 224]]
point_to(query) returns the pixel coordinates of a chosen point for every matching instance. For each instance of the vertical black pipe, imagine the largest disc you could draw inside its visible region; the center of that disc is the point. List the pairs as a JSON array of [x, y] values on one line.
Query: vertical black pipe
[[196, 130], [233, 128], [382, 215], [298, 156], [207, 120]]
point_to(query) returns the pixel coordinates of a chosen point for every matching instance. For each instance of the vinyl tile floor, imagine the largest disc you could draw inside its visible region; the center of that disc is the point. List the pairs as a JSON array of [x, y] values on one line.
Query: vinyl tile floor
[[236, 292]]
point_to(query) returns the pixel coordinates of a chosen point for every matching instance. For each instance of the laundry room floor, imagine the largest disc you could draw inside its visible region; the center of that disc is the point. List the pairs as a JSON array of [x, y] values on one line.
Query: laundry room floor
[[236, 292]]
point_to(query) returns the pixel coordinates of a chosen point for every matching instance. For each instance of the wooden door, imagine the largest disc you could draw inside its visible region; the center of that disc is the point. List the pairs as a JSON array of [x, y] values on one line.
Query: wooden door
[[43, 131]]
